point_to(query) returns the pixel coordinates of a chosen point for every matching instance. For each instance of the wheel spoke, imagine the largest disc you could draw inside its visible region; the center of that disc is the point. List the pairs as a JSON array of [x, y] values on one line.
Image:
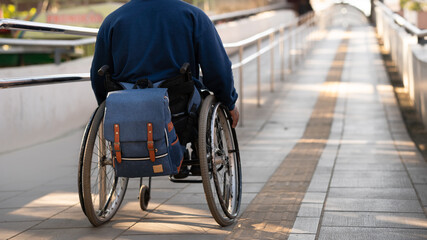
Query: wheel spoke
[[222, 187], [102, 192]]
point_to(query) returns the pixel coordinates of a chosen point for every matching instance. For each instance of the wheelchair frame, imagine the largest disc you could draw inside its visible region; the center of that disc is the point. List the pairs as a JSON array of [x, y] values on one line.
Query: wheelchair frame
[[101, 192]]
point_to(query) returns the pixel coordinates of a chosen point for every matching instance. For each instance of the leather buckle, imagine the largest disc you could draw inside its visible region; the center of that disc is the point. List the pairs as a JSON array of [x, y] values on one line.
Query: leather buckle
[[117, 147], [150, 145]]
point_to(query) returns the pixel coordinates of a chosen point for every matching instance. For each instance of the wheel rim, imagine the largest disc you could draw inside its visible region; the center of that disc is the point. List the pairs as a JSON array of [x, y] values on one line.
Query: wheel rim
[[223, 163], [223, 211], [106, 189]]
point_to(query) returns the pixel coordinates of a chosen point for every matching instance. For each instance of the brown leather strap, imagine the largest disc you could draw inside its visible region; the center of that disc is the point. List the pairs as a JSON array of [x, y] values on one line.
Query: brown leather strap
[[180, 165], [170, 126], [176, 141], [150, 142], [117, 148]]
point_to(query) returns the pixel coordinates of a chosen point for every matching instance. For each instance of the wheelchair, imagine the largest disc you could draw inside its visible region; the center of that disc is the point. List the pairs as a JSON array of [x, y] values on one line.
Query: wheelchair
[[215, 151]]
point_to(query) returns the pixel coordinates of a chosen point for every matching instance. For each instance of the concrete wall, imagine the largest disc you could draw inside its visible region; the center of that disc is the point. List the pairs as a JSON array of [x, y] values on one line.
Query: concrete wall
[[32, 115], [410, 59], [419, 76]]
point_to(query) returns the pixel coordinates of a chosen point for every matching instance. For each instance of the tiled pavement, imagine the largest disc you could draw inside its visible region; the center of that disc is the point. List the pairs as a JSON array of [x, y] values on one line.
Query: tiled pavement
[[324, 158], [275, 209], [371, 172]]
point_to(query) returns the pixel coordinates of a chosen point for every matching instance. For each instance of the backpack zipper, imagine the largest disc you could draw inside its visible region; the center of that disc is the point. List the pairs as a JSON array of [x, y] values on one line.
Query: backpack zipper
[[143, 159]]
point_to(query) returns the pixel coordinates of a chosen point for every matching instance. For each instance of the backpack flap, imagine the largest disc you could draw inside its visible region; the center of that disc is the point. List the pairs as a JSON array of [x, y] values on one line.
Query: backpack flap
[[141, 116], [138, 124]]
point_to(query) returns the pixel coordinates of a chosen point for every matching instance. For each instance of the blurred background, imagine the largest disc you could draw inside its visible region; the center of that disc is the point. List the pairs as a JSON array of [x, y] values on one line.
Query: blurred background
[[90, 13]]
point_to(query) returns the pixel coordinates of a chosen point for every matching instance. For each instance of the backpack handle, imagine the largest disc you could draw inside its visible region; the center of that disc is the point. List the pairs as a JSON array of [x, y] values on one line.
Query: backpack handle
[[143, 83]]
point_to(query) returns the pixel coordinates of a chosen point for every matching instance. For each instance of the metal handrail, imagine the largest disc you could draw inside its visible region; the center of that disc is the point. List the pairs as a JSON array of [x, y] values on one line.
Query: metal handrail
[[251, 39], [411, 28], [43, 80], [295, 31], [247, 13], [83, 31], [15, 24], [47, 43]]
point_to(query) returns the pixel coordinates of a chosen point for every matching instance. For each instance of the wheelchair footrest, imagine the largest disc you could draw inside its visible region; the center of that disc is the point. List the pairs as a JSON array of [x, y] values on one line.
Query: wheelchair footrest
[[172, 179]]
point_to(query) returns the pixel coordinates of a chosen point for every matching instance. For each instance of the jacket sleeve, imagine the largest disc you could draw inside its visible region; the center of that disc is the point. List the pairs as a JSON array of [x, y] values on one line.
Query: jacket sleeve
[[101, 57], [215, 64]]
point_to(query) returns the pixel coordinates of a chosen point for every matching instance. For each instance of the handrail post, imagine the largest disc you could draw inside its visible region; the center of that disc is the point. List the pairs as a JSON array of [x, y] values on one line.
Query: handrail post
[[259, 73], [272, 63], [313, 25], [241, 84], [306, 35], [291, 48], [298, 44], [287, 49], [57, 56], [282, 53], [302, 40]]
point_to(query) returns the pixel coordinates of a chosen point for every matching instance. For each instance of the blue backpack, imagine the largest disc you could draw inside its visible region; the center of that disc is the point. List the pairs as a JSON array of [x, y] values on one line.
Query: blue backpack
[[139, 125]]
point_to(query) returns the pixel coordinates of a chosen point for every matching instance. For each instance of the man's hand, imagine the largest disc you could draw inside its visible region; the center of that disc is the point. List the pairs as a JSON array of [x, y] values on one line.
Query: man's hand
[[235, 116]]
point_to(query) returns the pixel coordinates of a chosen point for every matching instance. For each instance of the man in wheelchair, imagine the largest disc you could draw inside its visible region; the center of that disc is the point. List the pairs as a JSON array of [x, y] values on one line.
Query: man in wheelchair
[[148, 41]]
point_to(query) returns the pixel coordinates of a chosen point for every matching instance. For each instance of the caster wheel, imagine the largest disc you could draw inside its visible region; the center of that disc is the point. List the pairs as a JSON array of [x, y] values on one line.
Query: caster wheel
[[144, 197]]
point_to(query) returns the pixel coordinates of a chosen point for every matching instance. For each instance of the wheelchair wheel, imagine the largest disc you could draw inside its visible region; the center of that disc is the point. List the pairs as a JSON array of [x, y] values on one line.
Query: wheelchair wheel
[[219, 162], [82, 150], [99, 188], [144, 197]]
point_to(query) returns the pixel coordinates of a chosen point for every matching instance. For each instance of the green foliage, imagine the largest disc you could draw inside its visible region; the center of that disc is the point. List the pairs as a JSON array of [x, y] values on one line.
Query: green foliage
[[403, 3], [412, 5], [9, 11]]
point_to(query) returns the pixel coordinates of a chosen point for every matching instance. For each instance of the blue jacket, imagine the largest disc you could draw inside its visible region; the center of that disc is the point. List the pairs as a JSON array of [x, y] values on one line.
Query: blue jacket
[[153, 39]]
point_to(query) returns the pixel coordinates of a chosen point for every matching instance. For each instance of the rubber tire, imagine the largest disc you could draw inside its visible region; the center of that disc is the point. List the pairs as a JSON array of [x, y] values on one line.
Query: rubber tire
[[144, 197], [231, 136], [80, 167], [217, 213], [90, 212]]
